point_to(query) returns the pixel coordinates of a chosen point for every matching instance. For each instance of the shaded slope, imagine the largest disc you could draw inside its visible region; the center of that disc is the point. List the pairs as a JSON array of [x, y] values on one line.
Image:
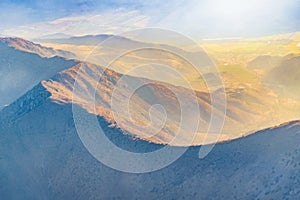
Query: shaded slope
[[43, 158], [20, 71]]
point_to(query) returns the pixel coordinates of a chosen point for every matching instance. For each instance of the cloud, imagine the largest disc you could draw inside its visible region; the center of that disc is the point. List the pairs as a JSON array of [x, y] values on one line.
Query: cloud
[[15, 14], [111, 22], [232, 18]]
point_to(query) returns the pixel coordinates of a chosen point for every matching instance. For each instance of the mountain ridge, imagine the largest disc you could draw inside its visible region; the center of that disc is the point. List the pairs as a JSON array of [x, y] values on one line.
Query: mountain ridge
[[28, 46], [59, 89]]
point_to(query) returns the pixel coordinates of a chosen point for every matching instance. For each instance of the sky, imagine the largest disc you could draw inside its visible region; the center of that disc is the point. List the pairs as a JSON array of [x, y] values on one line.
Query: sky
[[195, 18]]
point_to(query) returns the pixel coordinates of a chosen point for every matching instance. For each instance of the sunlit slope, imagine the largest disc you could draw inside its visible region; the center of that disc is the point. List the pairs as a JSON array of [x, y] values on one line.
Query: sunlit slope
[[152, 93]]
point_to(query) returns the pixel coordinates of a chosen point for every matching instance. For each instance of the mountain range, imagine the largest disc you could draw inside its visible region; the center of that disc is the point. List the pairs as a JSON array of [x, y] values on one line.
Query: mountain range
[[42, 156]]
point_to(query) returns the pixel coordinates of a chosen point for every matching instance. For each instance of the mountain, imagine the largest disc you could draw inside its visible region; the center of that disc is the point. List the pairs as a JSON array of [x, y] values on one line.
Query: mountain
[[20, 69], [42, 157], [284, 78], [28, 46]]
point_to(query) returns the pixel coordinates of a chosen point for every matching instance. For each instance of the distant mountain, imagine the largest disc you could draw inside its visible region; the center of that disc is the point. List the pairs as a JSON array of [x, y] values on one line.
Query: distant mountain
[[20, 69], [28, 46], [264, 62], [90, 40], [54, 36], [287, 36], [43, 158], [284, 78]]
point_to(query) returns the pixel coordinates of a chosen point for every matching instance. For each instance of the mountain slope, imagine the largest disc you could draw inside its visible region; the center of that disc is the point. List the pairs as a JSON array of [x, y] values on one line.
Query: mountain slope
[[21, 70], [43, 158]]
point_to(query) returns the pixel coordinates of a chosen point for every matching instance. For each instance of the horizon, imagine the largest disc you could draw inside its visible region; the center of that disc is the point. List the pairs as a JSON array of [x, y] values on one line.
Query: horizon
[[207, 39]]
